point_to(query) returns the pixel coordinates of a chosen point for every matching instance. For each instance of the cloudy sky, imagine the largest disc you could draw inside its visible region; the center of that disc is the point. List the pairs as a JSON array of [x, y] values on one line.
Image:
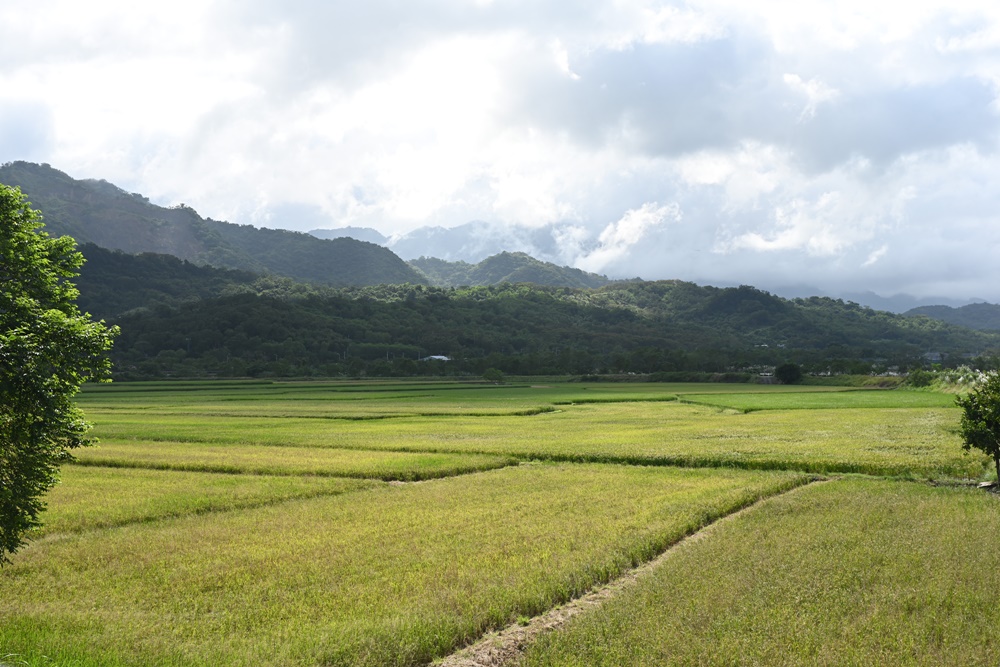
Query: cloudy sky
[[841, 145]]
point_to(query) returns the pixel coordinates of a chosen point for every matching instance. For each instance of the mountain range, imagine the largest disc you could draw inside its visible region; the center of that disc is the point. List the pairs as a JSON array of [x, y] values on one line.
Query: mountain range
[[176, 247], [95, 211], [477, 240], [505, 267], [98, 212], [982, 316], [471, 242]]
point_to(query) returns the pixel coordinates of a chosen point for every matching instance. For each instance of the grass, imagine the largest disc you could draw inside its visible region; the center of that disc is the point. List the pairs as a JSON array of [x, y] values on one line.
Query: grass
[[89, 498], [879, 399], [270, 460], [384, 576], [851, 572], [232, 523], [918, 442]]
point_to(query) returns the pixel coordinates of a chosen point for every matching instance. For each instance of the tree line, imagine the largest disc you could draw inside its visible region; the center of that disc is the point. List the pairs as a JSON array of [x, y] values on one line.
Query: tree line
[[280, 328]]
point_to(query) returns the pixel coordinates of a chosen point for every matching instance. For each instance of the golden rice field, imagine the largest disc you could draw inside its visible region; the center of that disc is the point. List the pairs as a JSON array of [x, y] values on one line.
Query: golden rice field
[[392, 523]]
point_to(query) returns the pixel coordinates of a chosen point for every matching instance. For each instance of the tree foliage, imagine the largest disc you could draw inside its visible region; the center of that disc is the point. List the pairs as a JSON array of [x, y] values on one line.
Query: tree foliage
[[276, 327], [505, 267], [788, 373], [980, 426], [493, 375], [47, 350]]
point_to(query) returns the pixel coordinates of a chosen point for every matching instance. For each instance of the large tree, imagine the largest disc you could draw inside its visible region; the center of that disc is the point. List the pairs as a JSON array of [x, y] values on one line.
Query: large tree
[[980, 426], [47, 350]]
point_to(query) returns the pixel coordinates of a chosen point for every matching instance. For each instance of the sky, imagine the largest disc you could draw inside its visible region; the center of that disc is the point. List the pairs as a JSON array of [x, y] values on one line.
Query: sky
[[842, 145]]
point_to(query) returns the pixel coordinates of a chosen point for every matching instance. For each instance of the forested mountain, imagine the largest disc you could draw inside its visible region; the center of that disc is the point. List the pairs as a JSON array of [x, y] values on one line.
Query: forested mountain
[[505, 267], [642, 327], [375, 314], [982, 316], [98, 212], [112, 282]]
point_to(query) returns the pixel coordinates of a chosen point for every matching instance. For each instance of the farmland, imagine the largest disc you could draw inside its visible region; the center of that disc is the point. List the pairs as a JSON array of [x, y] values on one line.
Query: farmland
[[392, 523]]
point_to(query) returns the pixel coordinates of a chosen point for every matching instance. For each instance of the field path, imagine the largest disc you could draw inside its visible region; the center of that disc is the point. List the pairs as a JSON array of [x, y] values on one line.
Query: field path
[[503, 648]]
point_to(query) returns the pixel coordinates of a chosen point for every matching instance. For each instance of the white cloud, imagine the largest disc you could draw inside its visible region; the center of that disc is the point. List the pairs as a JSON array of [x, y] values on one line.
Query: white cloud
[[876, 255], [617, 239], [799, 139], [815, 92], [815, 227]]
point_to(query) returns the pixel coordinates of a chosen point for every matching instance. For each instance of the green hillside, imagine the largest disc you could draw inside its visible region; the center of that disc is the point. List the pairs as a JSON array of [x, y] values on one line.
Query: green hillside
[[101, 213], [293, 305], [982, 316], [505, 267], [112, 282], [641, 327]]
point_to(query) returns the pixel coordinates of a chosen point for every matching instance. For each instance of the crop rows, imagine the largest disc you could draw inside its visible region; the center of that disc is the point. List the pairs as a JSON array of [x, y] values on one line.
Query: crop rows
[[387, 575], [255, 523]]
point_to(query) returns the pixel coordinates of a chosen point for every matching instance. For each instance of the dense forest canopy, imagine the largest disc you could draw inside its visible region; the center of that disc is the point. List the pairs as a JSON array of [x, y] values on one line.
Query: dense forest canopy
[[199, 320], [982, 316]]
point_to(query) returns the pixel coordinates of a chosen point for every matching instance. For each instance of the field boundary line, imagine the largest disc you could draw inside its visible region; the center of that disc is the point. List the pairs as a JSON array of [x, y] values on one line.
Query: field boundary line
[[502, 648]]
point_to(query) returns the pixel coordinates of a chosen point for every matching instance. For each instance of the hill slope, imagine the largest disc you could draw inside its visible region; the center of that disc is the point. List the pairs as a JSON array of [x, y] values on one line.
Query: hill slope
[[112, 282], [525, 329], [103, 214], [982, 316], [505, 267]]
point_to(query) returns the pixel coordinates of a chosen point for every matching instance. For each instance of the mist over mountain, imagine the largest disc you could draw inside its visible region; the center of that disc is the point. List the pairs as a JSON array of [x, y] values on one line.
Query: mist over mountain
[[98, 212], [561, 245], [716, 142], [557, 243], [154, 271]]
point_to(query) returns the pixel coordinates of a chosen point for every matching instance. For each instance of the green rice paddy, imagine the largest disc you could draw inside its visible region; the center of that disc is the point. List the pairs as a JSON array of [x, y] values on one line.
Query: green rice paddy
[[391, 523], [848, 572]]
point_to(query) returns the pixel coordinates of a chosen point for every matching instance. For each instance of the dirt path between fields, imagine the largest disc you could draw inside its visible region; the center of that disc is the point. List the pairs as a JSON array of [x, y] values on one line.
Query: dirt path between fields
[[503, 648]]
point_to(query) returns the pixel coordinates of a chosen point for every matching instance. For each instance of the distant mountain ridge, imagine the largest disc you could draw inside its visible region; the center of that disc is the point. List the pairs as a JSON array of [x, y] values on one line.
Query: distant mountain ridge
[[95, 211], [470, 242], [981, 316], [366, 234], [478, 240], [98, 212], [505, 267]]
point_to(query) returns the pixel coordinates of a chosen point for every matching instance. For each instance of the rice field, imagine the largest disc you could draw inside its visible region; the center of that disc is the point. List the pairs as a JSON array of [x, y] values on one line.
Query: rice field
[[392, 523], [385, 575], [847, 572], [895, 433]]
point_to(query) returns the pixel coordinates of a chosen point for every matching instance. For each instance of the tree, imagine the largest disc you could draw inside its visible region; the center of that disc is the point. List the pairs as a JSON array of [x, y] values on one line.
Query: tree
[[47, 350], [980, 426], [788, 373], [493, 375]]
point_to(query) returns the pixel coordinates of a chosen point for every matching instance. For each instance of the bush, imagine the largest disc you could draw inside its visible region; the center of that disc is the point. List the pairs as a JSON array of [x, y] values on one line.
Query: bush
[[788, 373], [980, 426]]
